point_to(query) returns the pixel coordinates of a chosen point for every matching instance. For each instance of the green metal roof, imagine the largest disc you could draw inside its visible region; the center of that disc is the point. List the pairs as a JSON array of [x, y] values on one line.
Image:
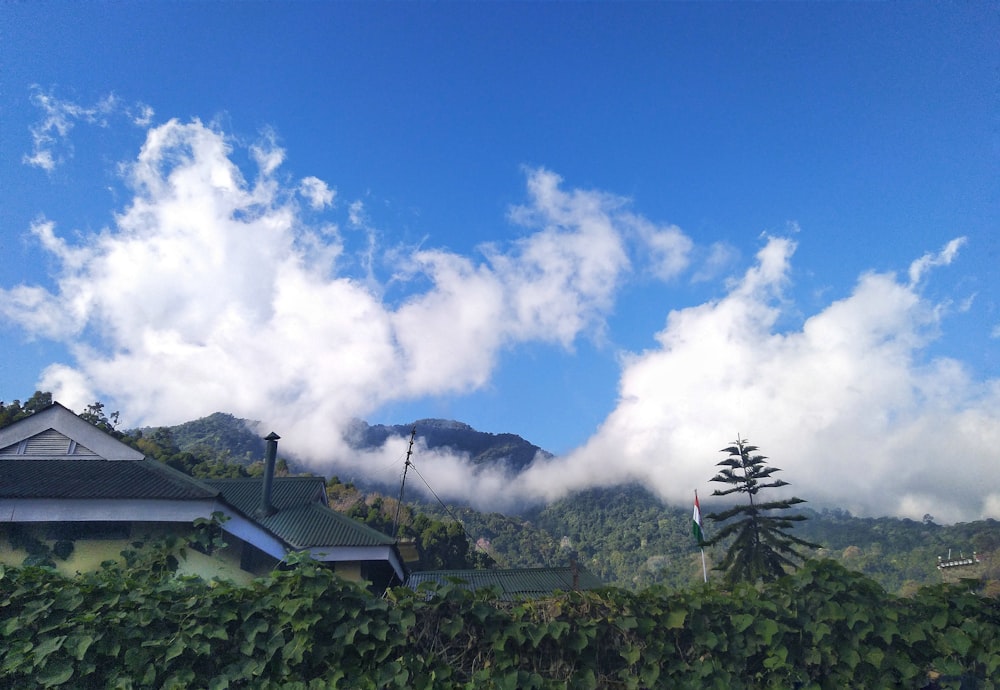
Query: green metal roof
[[43, 457], [513, 583], [286, 492], [302, 520], [96, 478]]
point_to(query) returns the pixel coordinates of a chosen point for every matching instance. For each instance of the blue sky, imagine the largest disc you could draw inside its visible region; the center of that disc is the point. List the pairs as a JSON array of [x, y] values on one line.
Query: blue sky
[[624, 231]]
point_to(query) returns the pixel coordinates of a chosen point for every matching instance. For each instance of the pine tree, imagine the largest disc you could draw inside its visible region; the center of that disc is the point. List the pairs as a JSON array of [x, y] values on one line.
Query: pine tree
[[761, 548]]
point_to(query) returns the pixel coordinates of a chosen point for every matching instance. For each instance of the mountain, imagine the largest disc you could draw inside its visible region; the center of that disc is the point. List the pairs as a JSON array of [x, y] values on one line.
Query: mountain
[[625, 534], [221, 432], [219, 435], [482, 448]]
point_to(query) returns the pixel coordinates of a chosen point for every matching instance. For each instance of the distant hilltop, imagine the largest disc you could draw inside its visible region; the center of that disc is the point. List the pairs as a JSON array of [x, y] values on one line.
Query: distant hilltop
[[483, 448], [240, 441]]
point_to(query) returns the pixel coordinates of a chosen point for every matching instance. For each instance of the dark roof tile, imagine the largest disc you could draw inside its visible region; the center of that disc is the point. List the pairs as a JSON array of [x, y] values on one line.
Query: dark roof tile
[[303, 519], [84, 478]]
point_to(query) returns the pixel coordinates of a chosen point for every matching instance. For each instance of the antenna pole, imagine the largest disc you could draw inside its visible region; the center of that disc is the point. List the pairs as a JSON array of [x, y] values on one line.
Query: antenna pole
[[402, 483]]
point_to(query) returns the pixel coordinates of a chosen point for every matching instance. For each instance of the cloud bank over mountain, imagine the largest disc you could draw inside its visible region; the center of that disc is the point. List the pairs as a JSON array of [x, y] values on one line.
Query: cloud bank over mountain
[[844, 404], [212, 290]]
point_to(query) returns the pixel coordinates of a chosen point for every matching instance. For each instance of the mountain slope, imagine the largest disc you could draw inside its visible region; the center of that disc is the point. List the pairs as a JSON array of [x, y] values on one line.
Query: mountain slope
[[483, 448], [625, 534]]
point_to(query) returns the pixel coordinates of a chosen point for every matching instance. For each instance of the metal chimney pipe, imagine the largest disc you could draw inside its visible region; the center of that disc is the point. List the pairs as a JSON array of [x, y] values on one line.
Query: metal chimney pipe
[[270, 453]]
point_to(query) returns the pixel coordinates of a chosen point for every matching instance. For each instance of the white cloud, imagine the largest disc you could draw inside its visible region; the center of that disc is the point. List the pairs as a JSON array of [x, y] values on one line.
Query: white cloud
[[316, 191], [668, 248], [211, 292], [720, 256], [562, 278], [59, 117], [942, 258], [141, 114], [844, 405]]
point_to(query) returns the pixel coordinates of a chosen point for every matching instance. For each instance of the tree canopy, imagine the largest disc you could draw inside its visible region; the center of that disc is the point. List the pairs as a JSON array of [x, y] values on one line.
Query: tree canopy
[[762, 548]]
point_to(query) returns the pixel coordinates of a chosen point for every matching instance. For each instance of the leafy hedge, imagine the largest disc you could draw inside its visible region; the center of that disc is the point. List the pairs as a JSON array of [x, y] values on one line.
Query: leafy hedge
[[824, 627]]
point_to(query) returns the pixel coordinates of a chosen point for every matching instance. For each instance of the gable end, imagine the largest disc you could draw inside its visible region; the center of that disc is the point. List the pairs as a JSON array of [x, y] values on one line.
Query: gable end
[[48, 444]]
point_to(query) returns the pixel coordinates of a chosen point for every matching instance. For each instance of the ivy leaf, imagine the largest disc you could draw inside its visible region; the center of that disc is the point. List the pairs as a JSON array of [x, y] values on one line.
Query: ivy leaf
[[55, 673], [741, 622], [766, 628], [175, 650], [957, 641], [47, 646], [676, 618], [875, 657]]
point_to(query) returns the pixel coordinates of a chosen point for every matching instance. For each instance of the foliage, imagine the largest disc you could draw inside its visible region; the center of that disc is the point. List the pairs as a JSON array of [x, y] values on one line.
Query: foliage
[[823, 627], [625, 535], [442, 544], [95, 414], [761, 548], [221, 436], [10, 413], [204, 463]]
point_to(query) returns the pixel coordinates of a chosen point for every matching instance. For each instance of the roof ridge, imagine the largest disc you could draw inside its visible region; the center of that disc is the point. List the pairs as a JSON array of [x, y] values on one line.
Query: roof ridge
[[176, 475]]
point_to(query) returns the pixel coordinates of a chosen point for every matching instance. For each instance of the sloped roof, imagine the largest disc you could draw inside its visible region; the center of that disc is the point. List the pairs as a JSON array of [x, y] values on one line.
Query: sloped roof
[[302, 519], [75, 431], [53, 454], [286, 492], [513, 583], [91, 478]]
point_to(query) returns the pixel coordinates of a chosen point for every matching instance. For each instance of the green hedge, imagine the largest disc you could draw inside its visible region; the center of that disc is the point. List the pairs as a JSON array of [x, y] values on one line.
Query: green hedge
[[824, 627]]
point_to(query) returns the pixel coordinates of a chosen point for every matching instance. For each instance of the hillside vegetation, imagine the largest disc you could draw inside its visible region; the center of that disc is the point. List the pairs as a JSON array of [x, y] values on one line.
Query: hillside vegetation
[[823, 627], [625, 534]]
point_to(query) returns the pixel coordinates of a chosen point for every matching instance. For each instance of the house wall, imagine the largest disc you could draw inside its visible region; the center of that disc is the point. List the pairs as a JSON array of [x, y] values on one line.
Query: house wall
[[94, 543], [348, 570]]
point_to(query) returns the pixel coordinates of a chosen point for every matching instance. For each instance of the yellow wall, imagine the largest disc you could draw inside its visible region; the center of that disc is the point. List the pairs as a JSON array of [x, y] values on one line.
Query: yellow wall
[[88, 554], [349, 570]]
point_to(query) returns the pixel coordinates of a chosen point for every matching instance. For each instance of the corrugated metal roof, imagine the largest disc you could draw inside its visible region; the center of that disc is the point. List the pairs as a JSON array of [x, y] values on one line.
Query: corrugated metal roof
[[44, 457], [96, 478], [302, 519], [316, 526], [514, 583], [286, 492]]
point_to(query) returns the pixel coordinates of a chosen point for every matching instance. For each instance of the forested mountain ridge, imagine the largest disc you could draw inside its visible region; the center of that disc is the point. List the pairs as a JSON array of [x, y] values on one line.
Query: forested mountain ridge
[[625, 535], [483, 448], [219, 434]]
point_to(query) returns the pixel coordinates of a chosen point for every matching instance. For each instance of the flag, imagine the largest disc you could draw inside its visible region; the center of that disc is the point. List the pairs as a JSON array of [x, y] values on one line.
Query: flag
[[696, 520]]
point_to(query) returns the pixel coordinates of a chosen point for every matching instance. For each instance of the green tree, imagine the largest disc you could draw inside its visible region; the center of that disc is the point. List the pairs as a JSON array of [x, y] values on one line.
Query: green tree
[[96, 415], [10, 413], [761, 548]]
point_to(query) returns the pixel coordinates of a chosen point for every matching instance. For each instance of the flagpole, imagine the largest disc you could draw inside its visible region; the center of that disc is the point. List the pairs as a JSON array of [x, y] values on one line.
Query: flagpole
[[696, 519]]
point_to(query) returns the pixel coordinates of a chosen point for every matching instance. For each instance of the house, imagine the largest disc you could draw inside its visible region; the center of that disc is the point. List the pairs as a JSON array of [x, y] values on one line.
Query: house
[[74, 496], [513, 583]]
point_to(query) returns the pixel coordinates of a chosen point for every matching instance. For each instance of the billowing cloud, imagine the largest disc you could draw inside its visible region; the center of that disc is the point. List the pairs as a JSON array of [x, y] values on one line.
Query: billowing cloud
[[213, 290], [845, 404], [210, 291]]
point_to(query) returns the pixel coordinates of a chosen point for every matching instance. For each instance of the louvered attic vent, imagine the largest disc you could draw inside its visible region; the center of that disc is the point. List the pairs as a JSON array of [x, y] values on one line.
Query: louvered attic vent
[[48, 444]]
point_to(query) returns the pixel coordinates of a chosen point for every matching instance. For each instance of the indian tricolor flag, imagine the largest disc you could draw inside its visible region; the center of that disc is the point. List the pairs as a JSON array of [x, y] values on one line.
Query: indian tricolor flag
[[696, 521]]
